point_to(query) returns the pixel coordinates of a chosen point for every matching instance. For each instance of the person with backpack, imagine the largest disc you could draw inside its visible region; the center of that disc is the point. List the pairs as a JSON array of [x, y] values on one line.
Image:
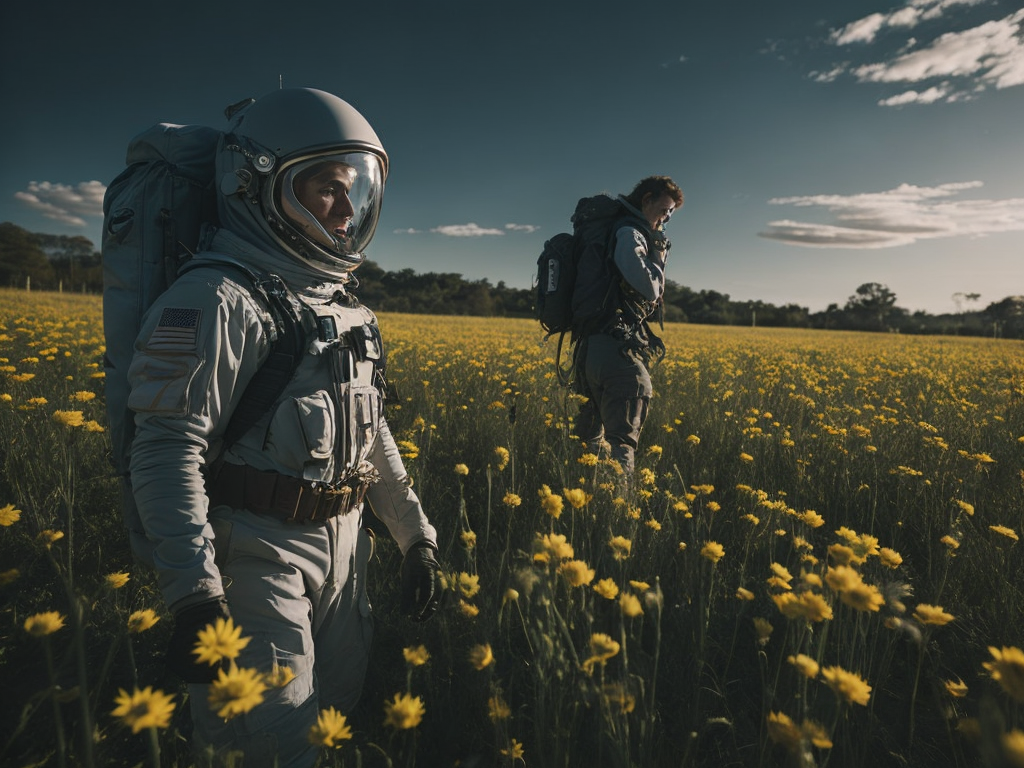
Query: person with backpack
[[266, 527], [624, 287]]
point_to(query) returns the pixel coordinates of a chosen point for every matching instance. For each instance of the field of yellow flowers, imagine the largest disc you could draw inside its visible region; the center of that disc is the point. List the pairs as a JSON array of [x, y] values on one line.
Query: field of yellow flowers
[[816, 564]]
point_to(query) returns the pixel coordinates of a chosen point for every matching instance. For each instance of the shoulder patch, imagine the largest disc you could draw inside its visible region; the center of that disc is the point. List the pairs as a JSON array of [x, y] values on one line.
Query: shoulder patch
[[178, 328]]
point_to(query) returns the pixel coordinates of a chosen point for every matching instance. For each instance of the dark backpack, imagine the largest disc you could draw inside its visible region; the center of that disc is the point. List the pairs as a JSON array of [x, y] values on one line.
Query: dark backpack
[[155, 213], [575, 277]]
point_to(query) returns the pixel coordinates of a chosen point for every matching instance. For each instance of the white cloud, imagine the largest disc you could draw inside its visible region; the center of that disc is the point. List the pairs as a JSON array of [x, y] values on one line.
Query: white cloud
[[465, 230], [64, 203], [970, 60], [993, 52], [929, 96], [866, 30], [527, 228], [897, 216], [408, 231], [860, 31]]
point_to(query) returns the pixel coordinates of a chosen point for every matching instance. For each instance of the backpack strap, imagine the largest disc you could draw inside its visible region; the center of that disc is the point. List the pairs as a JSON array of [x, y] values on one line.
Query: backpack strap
[[294, 325]]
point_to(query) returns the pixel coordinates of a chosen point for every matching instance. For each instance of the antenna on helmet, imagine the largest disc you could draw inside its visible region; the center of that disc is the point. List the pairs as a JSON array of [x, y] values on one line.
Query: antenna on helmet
[[280, 82]]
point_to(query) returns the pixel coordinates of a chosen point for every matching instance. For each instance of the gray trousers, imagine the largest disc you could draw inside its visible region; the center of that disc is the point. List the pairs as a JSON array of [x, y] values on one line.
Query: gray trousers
[[299, 591], [618, 385]]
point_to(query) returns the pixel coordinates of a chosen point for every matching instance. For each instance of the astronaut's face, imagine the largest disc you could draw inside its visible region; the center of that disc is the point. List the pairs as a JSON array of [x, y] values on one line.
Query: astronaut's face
[[657, 210], [324, 192]]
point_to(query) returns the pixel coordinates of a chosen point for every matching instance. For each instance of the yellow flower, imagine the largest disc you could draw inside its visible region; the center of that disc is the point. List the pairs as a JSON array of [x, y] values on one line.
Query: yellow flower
[[142, 620], [514, 751], [848, 686], [8, 576], [890, 557], [576, 573], [816, 734], [956, 688], [330, 730], [416, 656], [480, 656], [842, 578], [9, 515], [841, 554], [812, 519], [630, 605], [964, 506], [712, 551], [502, 456], [147, 708], [602, 648], [83, 396], [763, 629], [807, 666], [554, 545], [950, 542], [468, 610], [42, 624], [1013, 748], [932, 614], [469, 584], [236, 691], [647, 476], [279, 676], [863, 597], [116, 580], [1007, 669], [404, 712], [654, 450], [783, 731], [744, 594], [607, 588], [461, 469], [552, 504], [621, 547], [577, 497], [498, 709], [693, 440], [218, 641], [511, 595], [746, 457], [511, 500], [49, 537], [588, 460], [408, 449], [617, 694], [69, 418], [1002, 530], [468, 539]]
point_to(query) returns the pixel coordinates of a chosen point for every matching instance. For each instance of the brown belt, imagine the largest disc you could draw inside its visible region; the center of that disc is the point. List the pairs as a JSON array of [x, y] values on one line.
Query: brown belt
[[287, 498]]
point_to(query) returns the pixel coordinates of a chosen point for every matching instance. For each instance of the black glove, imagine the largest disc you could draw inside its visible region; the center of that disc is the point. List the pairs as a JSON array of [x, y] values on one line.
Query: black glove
[[187, 623], [421, 592]]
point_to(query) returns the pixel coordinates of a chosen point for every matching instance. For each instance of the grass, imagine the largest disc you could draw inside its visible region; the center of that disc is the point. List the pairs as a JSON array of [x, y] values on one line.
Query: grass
[[773, 590]]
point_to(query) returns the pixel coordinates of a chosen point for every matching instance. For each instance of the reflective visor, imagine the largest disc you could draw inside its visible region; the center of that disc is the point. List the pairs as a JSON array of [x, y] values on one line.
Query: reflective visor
[[333, 200]]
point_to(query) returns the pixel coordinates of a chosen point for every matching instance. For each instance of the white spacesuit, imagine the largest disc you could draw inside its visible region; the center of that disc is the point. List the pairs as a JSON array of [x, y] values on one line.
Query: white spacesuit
[[269, 528]]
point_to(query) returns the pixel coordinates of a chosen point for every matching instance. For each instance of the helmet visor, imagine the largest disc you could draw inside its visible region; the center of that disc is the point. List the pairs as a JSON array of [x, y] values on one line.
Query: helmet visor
[[333, 200]]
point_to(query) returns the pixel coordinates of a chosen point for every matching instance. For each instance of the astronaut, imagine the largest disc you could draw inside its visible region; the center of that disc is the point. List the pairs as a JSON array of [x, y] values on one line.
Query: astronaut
[[614, 353], [267, 528]]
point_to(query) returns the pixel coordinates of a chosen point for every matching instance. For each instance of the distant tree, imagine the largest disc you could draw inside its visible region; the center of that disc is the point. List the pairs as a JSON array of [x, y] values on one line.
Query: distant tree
[[1006, 317], [871, 306], [21, 256]]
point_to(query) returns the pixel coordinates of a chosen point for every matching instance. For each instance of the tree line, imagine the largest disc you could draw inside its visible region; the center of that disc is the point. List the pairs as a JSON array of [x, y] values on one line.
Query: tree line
[[72, 263]]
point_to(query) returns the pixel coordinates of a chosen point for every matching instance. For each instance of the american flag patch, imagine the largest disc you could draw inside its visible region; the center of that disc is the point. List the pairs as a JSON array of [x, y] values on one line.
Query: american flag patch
[[177, 328]]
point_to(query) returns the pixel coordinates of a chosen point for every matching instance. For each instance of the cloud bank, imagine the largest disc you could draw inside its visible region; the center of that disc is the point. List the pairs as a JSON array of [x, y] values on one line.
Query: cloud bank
[[899, 216], [64, 203], [470, 230], [953, 66]]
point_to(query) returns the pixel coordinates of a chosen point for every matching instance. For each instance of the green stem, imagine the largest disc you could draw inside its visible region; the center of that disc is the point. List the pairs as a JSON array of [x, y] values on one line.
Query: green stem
[[57, 719]]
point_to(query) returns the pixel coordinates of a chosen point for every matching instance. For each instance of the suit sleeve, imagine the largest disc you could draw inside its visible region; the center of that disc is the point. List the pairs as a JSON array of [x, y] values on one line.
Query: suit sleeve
[[641, 271], [198, 348], [392, 498]]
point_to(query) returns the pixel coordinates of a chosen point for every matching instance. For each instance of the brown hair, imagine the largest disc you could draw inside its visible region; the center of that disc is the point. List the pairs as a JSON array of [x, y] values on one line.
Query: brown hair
[[656, 186]]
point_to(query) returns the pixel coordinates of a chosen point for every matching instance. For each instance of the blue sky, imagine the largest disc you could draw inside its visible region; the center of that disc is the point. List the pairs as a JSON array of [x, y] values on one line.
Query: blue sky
[[819, 145]]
